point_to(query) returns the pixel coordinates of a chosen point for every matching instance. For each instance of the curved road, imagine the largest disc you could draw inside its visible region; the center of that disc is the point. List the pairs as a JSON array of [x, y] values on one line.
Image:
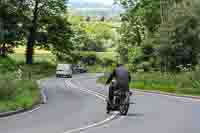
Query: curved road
[[78, 103]]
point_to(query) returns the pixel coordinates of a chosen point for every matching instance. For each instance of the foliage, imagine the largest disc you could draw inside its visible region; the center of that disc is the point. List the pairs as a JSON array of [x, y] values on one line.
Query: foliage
[[89, 58], [183, 48], [17, 94], [108, 62], [7, 64], [24, 93], [90, 36], [186, 83], [99, 69], [41, 8], [140, 21], [59, 35], [10, 26], [27, 15], [26, 21], [164, 46]]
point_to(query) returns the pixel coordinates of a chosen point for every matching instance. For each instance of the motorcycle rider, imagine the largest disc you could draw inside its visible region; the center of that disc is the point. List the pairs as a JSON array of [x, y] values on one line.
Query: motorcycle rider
[[123, 78]]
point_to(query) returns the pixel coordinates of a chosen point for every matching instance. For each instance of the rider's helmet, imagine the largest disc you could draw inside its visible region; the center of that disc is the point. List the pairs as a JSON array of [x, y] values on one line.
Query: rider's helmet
[[119, 64]]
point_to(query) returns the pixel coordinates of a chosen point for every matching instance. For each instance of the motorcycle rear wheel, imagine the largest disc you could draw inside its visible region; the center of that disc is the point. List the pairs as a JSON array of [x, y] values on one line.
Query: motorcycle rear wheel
[[124, 105]]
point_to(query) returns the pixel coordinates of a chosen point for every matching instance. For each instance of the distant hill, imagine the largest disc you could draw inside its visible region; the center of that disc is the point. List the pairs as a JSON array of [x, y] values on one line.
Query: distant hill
[[94, 9]]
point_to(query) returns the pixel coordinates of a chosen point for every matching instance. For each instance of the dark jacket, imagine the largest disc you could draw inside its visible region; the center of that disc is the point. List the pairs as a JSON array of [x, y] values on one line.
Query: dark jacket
[[122, 77]]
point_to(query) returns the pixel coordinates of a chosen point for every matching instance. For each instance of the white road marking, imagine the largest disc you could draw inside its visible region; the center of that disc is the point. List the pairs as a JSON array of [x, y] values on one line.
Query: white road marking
[[100, 96], [30, 111], [184, 99], [21, 114], [91, 126]]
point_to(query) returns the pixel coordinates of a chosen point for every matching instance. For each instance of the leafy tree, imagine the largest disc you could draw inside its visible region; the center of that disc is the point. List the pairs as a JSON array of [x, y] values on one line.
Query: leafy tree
[[182, 28], [38, 9], [102, 19], [184, 47], [90, 36], [59, 36], [10, 25], [140, 22], [88, 18]]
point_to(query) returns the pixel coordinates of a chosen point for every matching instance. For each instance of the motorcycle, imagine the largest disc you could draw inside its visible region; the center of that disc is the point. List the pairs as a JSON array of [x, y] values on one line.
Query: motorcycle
[[121, 101]]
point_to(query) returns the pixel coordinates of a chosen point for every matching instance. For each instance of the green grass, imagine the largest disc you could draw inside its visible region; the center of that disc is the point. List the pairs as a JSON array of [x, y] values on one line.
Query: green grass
[[15, 94], [24, 93], [108, 55], [99, 69], [187, 83], [40, 57]]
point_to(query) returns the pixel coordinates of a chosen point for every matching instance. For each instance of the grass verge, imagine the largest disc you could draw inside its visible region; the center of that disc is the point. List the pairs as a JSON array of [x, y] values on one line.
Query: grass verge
[[18, 94], [187, 83], [99, 69], [24, 92]]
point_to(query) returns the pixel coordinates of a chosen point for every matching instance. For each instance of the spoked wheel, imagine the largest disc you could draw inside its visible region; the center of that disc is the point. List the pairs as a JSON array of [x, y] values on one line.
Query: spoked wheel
[[124, 105]]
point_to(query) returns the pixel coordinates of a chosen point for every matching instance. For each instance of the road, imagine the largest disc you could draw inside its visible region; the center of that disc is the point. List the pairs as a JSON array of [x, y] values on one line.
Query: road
[[79, 103]]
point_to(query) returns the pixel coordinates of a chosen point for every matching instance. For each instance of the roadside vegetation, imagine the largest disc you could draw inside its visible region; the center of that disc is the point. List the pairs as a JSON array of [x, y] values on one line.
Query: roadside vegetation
[[17, 94], [186, 83], [33, 40], [159, 45], [18, 86], [163, 52]]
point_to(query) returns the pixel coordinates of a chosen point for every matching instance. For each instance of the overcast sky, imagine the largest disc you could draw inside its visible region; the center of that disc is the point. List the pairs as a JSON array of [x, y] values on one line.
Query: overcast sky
[[107, 2]]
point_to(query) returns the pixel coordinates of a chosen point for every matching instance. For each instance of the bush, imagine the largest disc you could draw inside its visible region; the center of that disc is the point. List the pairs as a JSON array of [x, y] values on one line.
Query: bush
[[145, 66], [24, 93], [7, 89], [180, 83], [10, 88], [27, 93], [108, 62], [7, 64], [15, 94], [89, 58]]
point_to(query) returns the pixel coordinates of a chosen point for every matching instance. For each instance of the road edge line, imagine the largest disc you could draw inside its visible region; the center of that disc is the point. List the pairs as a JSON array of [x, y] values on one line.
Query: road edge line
[[100, 96], [168, 94], [22, 111]]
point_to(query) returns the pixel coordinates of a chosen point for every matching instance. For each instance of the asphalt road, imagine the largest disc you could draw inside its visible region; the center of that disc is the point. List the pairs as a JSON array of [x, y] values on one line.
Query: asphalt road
[[78, 103]]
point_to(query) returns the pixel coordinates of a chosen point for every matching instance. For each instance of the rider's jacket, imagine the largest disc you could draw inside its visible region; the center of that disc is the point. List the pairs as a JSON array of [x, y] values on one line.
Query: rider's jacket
[[122, 77]]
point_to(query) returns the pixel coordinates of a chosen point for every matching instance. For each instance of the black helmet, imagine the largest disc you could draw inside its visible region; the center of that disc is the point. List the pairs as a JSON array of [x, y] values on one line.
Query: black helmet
[[119, 64]]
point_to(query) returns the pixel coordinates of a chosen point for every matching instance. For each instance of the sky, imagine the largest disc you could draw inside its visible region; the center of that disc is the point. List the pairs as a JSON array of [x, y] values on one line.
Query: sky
[[107, 2]]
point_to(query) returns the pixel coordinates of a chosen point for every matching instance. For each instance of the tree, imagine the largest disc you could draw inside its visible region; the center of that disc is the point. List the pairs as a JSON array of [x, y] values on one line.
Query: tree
[[138, 24], [88, 18], [102, 19], [183, 48], [10, 25], [59, 38], [39, 9], [90, 36]]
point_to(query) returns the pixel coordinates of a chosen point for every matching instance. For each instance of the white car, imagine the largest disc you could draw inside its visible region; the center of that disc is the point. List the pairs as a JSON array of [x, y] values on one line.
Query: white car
[[64, 70]]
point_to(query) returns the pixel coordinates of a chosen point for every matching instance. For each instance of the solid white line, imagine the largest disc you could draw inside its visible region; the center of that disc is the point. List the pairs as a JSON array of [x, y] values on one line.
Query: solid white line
[[91, 126], [168, 96], [30, 111], [21, 114], [100, 96]]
